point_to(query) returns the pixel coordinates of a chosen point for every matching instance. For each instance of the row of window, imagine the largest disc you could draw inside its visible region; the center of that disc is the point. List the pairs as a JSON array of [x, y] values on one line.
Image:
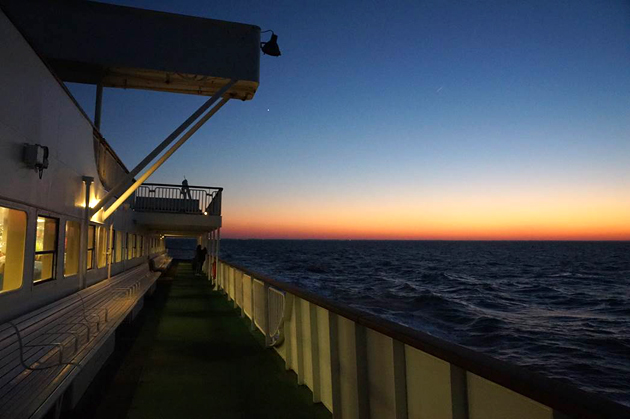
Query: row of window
[[13, 237]]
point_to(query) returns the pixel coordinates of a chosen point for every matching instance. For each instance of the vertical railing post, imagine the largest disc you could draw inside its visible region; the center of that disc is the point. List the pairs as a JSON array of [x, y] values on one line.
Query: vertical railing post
[[266, 311], [210, 255], [252, 309], [315, 352], [216, 259], [218, 197], [288, 339], [335, 366], [297, 303], [459, 393], [363, 396], [242, 306], [400, 379]]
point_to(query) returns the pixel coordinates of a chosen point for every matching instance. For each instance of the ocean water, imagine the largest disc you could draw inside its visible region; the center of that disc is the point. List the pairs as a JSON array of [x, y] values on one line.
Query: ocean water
[[560, 308]]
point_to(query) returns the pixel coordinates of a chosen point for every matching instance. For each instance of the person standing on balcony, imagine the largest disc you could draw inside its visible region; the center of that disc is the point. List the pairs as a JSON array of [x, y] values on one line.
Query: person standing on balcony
[[203, 254], [185, 189]]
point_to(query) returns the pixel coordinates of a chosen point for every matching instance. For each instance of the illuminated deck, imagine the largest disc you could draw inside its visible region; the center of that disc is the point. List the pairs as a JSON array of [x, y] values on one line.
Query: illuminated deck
[[195, 357]]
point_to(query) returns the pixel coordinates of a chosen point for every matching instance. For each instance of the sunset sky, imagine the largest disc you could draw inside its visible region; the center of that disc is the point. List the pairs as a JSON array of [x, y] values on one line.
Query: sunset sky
[[409, 120]]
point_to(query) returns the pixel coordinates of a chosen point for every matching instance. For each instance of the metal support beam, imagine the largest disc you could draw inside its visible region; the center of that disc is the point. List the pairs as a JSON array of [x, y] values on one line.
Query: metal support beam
[[109, 211], [110, 247], [87, 180], [98, 106], [149, 158]]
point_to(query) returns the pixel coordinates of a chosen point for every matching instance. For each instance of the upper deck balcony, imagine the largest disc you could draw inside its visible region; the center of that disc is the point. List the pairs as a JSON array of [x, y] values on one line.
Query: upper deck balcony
[[176, 208]]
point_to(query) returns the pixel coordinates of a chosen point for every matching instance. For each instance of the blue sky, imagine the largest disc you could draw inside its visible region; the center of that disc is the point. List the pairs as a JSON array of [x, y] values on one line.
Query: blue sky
[[427, 105]]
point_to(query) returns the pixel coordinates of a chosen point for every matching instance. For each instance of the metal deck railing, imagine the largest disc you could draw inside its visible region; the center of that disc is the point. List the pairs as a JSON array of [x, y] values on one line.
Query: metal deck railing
[[360, 365], [161, 197]]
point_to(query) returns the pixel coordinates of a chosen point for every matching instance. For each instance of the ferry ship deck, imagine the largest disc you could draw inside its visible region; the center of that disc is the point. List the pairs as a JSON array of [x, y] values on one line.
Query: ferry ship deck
[[191, 355], [82, 241]]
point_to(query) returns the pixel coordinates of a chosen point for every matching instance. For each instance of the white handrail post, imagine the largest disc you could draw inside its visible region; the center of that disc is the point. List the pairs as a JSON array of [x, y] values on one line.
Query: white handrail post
[[335, 366], [297, 303], [242, 295], [459, 392], [252, 326], [363, 395], [400, 379], [266, 311], [315, 352], [217, 260], [288, 308]]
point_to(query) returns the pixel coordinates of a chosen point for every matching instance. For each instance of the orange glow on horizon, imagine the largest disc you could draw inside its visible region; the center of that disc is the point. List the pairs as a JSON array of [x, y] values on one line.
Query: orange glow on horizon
[[504, 218]]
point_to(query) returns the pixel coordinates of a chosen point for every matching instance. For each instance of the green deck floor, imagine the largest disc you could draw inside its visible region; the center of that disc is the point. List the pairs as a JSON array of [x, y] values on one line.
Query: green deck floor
[[194, 357]]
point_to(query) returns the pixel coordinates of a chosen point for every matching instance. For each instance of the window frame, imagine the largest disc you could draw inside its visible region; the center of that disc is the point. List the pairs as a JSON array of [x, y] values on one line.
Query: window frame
[[104, 231], [88, 248], [65, 247], [27, 262], [112, 257], [54, 252]]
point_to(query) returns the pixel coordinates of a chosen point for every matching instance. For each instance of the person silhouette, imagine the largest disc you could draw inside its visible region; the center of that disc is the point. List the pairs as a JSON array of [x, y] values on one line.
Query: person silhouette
[[185, 189]]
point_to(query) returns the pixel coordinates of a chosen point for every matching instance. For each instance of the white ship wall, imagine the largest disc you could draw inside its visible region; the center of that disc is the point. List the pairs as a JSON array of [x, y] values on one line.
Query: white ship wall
[[36, 108]]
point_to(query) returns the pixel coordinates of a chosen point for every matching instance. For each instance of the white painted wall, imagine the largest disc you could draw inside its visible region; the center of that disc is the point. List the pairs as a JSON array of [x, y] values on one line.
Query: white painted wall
[[36, 108]]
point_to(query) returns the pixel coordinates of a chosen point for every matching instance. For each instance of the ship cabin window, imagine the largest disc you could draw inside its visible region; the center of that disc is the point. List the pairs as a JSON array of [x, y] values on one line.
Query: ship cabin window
[[141, 246], [45, 249], [72, 248], [101, 248], [129, 246], [90, 246], [118, 246], [12, 239], [135, 246]]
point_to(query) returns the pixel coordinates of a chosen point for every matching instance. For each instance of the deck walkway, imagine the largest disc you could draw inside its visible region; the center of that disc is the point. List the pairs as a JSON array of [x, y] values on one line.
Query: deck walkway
[[193, 357]]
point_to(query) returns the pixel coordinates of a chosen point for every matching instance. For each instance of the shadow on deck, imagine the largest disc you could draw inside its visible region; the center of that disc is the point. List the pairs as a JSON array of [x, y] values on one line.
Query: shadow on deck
[[190, 355]]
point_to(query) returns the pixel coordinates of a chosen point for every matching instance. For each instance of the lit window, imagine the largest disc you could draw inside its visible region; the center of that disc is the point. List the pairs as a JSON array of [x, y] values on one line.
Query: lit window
[[90, 246], [101, 259], [118, 247], [12, 238], [71, 248], [129, 246], [45, 249]]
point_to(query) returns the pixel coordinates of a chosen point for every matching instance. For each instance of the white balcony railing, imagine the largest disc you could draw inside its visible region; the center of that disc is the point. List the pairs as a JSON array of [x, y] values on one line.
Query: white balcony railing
[[159, 197]]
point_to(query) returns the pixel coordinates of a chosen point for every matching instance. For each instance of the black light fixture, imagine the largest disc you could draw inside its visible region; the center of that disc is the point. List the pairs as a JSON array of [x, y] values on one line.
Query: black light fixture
[[271, 47]]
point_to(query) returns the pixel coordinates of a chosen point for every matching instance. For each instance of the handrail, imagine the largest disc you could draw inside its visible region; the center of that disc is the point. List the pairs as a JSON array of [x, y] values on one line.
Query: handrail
[[220, 188], [160, 197], [553, 393]]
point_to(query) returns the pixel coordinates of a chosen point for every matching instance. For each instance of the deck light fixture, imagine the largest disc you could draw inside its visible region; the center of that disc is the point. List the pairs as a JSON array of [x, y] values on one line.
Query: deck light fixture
[[271, 47]]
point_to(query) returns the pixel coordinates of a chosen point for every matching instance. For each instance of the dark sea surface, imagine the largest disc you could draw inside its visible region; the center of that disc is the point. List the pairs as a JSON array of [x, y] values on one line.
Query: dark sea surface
[[560, 308]]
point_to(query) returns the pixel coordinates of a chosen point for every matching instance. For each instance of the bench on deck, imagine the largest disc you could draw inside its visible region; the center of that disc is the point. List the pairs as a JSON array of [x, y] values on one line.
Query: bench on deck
[[44, 351], [160, 263]]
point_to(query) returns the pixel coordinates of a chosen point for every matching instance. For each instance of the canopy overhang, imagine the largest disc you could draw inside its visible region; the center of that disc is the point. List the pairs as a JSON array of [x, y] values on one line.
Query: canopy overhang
[[117, 46]]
